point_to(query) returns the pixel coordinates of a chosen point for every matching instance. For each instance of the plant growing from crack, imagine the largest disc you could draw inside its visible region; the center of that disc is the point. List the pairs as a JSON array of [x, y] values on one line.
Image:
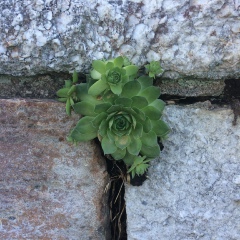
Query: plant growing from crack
[[121, 109]]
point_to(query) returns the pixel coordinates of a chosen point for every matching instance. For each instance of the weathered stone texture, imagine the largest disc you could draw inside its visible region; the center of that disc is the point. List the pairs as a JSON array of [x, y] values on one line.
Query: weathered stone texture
[[40, 86], [49, 189], [197, 38], [191, 87], [193, 190]]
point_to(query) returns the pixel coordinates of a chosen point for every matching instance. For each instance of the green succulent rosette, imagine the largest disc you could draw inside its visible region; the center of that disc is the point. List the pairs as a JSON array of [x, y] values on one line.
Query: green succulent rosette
[[112, 74], [119, 108], [128, 124], [153, 68]]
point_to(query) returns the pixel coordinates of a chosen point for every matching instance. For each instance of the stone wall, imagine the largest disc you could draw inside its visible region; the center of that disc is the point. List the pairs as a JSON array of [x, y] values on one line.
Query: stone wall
[[193, 188], [197, 38], [49, 189]]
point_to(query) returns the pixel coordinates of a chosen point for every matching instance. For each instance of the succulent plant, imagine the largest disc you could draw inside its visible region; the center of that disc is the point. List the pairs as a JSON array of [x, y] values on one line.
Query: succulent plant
[[111, 75], [153, 68], [139, 166], [122, 112], [67, 93]]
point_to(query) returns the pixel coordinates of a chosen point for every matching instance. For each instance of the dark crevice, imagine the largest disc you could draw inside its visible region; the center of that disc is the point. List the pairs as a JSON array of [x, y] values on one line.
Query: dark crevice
[[230, 96], [41, 86], [231, 92], [116, 199], [180, 100]]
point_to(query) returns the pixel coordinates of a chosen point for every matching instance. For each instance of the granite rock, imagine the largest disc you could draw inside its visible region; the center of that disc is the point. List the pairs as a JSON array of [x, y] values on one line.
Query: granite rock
[[197, 38], [49, 189], [193, 188]]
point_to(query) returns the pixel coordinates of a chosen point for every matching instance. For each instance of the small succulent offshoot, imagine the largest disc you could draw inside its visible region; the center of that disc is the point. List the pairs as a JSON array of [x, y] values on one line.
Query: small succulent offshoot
[[121, 109], [68, 93], [153, 69]]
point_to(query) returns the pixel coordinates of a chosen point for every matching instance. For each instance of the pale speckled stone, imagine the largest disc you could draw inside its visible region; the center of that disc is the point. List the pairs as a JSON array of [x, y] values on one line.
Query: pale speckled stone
[[191, 38], [49, 189], [193, 187]]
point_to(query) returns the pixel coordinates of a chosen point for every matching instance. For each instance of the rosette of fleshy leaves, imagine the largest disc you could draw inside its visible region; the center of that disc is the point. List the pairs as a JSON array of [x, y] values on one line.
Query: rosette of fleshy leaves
[[153, 68], [68, 93], [111, 74], [127, 122]]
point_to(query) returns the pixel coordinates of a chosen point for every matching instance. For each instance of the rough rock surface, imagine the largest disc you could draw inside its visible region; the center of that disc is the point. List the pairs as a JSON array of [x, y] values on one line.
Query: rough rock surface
[[193, 190], [40, 86], [49, 189], [197, 38], [191, 87]]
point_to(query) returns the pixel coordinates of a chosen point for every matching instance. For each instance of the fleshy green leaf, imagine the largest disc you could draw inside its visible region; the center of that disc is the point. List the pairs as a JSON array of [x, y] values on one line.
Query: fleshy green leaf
[[147, 125], [150, 93], [149, 139], [139, 102], [82, 94], [108, 145], [150, 152], [84, 130], [131, 89], [71, 90], [95, 74], [99, 66], [116, 89], [68, 107], [71, 101], [129, 159], [152, 112], [62, 99], [103, 107], [160, 128], [109, 65], [126, 61], [137, 132], [62, 92], [115, 108], [145, 82], [131, 70], [119, 154], [158, 104], [126, 102], [109, 96], [135, 146], [81, 137], [139, 114], [68, 83], [84, 108], [75, 77], [99, 118], [103, 128], [118, 62], [111, 135], [85, 125], [97, 88], [123, 141]]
